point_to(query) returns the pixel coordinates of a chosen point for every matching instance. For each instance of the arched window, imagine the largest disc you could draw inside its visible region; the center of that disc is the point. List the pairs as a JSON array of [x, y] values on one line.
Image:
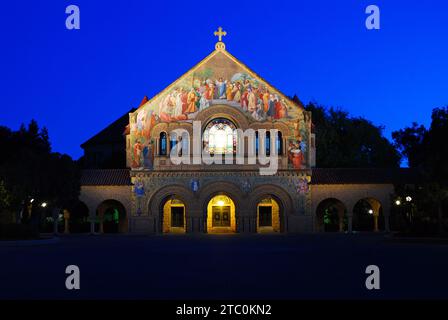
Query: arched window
[[256, 143], [268, 143], [220, 136], [279, 143], [173, 140], [162, 144]]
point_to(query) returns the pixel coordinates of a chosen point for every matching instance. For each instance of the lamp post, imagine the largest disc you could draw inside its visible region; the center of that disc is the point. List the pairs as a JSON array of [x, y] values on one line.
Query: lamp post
[[410, 214], [397, 202]]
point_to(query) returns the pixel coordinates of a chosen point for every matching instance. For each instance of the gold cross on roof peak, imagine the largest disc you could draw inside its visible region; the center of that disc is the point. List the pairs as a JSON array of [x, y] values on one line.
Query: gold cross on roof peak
[[220, 34]]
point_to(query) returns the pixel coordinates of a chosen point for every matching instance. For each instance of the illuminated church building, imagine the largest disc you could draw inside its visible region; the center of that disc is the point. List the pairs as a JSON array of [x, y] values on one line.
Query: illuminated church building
[[152, 195]]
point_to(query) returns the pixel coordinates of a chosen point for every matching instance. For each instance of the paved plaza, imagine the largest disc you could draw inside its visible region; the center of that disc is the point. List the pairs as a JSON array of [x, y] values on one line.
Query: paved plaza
[[320, 266]]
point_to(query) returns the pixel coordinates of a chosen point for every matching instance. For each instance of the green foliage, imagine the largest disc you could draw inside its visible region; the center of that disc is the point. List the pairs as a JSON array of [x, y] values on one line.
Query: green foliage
[[347, 142], [204, 74], [427, 149], [327, 217], [409, 141]]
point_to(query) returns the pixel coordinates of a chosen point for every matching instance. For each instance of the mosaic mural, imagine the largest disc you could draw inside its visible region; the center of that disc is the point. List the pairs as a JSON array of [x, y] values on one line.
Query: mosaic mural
[[218, 81]]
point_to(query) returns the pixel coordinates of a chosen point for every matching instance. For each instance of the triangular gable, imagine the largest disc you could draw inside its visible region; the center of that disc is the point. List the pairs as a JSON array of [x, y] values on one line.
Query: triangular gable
[[177, 102], [219, 79]]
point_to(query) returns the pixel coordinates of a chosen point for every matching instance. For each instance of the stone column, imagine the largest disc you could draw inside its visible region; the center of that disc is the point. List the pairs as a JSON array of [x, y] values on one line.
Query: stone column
[[242, 224], [92, 225], [341, 224], [168, 144], [194, 221], [284, 147], [375, 221], [245, 223], [350, 222], [253, 224], [189, 225], [203, 224], [341, 213], [66, 222], [101, 211]]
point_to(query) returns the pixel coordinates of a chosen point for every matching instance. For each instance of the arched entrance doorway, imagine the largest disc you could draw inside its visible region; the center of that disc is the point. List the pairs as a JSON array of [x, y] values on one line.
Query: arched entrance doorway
[[173, 215], [331, 216], [221, 215], [268, 215], [111, 217], [368, 215]]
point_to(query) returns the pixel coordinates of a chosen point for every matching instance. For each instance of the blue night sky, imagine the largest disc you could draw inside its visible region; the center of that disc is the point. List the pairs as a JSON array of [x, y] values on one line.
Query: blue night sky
[[76, 82]]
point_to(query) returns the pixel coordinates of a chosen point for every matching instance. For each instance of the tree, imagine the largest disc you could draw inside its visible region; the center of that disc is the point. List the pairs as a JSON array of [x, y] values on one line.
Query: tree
[[410, 142], [30, 170], [5, 202], [343, 141], [427, 150]]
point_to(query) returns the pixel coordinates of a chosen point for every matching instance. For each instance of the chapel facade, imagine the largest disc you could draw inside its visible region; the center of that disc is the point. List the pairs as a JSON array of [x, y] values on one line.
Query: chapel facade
[[221, 109]]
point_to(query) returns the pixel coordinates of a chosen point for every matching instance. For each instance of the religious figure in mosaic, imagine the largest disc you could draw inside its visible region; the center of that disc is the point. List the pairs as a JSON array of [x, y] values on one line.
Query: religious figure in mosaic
[[194, 184], [139, 192], [295, 154], [302, 186]]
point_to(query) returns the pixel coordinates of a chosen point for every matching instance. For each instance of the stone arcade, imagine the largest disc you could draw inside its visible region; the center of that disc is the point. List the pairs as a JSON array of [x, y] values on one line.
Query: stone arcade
[[152, 195]]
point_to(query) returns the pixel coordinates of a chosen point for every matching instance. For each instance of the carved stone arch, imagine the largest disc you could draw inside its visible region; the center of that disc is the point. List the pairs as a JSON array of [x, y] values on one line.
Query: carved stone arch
[[210, 190], [283, 128], [160, 195], [158, 199], [375, 217], [336, 211], [374, 202], [279, 194], [181, 125], [159, 128], [238, 117], [168, 127], [105, 207]]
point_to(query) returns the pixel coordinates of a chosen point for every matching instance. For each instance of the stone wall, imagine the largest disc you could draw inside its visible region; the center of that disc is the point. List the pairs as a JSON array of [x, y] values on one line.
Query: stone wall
[[93, 196], [350, 194], [246, 189]]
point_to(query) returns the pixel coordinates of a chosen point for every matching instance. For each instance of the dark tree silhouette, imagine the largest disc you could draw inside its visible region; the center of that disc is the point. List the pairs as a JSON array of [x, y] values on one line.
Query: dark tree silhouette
[[29, 170], [427, 150], [350, 142]]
